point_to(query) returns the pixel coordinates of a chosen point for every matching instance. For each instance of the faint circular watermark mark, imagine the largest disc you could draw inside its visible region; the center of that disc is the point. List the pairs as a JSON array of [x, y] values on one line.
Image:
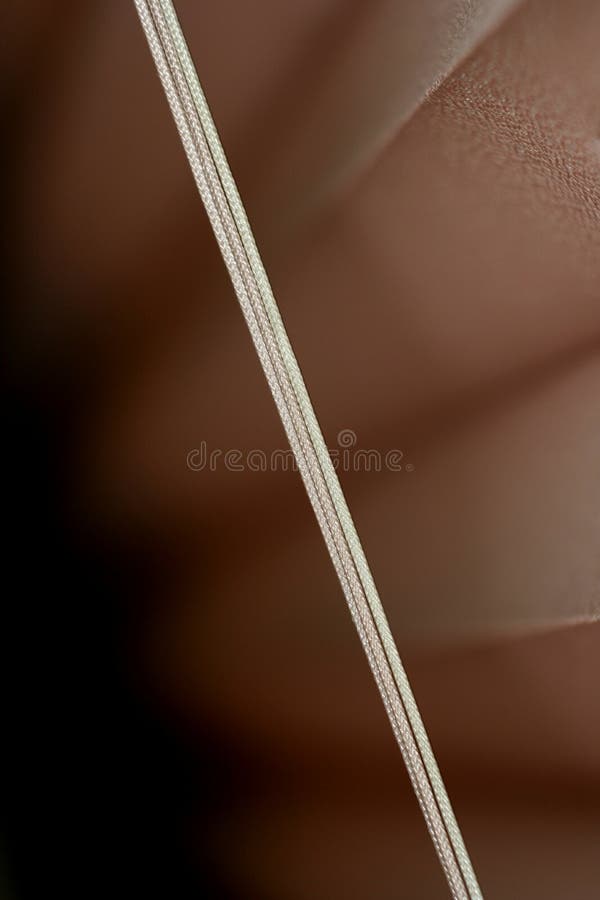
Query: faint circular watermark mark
[[347, 456]]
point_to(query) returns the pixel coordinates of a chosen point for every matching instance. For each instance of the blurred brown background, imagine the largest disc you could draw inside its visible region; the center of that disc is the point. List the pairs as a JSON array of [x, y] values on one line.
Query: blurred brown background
[[190, 711]]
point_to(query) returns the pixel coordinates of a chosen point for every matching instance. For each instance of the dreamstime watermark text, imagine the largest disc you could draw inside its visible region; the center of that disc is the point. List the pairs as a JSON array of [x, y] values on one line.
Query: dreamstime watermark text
[[347, 456]]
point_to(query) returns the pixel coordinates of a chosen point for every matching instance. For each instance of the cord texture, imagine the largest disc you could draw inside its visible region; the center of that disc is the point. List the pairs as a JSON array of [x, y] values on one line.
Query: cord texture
[[234, 236]]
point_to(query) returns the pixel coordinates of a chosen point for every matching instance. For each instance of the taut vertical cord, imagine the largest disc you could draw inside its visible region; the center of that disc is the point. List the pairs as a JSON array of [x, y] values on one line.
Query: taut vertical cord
[[236, 242]]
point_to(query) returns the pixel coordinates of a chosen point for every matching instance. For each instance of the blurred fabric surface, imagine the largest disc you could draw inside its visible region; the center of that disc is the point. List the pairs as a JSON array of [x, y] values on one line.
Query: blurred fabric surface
[[424, 183]]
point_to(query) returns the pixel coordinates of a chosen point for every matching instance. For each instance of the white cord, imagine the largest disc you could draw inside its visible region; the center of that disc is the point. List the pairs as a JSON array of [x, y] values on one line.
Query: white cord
[[236, 242]]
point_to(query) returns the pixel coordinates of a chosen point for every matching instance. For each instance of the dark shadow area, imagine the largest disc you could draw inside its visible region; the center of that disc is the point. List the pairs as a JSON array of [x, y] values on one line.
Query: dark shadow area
[[102, 795]]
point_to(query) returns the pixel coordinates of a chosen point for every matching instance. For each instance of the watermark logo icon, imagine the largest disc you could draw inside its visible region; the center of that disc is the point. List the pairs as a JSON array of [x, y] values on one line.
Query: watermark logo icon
[[347, 456]]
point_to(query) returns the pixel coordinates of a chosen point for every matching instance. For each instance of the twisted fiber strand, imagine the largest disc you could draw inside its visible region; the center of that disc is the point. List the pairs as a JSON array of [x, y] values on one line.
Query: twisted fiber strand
[[232, 231]]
